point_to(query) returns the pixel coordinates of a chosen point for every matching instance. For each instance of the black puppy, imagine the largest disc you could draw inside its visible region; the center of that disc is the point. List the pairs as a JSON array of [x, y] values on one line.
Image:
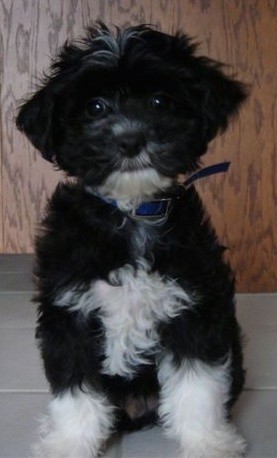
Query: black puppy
[[136, 305]]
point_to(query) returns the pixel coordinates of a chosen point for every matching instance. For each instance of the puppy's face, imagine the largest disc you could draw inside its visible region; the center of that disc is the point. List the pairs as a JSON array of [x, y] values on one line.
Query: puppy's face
[[127, 113]]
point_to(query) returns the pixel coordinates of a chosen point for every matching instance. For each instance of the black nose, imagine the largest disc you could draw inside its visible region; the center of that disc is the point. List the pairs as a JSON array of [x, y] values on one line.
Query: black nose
[[131, 145]]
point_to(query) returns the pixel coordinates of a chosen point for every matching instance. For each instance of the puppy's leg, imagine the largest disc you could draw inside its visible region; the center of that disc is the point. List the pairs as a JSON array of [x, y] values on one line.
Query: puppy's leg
[[77, 426], [192, 409]]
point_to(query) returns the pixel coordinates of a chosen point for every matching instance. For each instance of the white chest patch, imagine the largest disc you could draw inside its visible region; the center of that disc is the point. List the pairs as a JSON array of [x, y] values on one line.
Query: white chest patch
[[130, 309]]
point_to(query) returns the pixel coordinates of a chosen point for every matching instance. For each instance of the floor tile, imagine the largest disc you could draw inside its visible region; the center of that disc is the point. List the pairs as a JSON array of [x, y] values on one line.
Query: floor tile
[[16, 262], [20, 358], [149, 443], [16, 281], [248, 299], [19, 424], [258, 319], [256, 417], [17, 309]]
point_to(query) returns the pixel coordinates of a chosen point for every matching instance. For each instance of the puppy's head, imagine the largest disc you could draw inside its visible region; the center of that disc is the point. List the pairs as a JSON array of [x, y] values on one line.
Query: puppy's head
[[127, 112]]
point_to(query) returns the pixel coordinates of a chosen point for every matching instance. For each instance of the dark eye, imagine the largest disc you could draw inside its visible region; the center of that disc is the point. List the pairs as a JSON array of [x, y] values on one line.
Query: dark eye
[[159, 103], [98, 108]]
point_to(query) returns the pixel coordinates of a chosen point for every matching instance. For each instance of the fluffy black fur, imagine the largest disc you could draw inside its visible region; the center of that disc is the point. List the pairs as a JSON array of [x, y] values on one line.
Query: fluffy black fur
[[181, 102]]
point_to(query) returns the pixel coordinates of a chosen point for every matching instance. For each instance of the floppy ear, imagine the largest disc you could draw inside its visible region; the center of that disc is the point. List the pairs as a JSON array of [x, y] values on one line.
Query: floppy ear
[[35, 120], [215, 96], [221, 97]]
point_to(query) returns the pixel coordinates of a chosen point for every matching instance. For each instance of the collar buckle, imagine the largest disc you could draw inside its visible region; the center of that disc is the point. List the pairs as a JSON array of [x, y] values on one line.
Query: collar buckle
[[153, 209]]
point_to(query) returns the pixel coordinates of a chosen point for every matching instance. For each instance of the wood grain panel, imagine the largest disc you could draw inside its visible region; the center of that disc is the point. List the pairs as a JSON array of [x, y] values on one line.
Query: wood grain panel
[[243, 205], [242, 33]]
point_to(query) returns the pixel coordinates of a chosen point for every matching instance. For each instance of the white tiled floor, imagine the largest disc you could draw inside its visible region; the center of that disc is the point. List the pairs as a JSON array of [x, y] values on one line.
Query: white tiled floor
[[24, 392]]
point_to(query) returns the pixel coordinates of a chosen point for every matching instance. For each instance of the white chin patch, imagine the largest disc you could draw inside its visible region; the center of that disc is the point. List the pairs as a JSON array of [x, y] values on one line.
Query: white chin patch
[[134, 186]]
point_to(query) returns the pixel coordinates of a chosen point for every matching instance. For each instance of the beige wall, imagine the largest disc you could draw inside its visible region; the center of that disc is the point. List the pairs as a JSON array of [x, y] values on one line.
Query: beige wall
[[242, 33]]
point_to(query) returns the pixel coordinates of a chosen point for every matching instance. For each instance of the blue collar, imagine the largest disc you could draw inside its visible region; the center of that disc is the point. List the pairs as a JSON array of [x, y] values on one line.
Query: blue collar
[[158, 208], [206, 171]]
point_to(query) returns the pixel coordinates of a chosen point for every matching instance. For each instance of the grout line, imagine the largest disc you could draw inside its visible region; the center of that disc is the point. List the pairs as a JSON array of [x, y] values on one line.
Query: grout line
[[18, 291], [261, 388], [18, 327], [10, 270], [45, 391], [16, 272], [27, 267], [23, 391]]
